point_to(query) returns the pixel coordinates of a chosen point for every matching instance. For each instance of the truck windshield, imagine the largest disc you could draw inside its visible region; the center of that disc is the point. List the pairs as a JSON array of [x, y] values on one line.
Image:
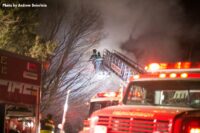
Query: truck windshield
[[163, 93]]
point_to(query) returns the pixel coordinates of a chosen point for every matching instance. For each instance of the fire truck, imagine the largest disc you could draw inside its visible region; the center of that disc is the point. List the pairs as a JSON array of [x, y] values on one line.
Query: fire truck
[[104, 99], [165, 99], [100, 101], [122, 67], [20, 82]]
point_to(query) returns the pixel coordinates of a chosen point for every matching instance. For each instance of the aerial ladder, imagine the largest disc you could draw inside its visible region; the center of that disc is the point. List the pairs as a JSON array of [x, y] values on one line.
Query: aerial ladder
[[121, 65], [124, 68]]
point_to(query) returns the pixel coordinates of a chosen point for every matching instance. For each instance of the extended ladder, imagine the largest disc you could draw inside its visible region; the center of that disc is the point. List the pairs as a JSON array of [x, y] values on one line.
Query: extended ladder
[[121, 65]]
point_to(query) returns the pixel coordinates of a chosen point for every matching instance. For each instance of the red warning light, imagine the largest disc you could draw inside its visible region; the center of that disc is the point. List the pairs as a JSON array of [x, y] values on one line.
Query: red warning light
[[183, 65], [32, 67]]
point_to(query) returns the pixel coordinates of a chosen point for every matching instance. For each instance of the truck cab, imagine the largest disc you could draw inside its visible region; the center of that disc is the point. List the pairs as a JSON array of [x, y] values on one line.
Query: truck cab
[[100, 101], [104, 99], [166, 99]]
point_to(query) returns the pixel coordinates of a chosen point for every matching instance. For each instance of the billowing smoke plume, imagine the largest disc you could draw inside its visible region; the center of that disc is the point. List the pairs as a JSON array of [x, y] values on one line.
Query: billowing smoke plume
[[145, 30], [150, 29]]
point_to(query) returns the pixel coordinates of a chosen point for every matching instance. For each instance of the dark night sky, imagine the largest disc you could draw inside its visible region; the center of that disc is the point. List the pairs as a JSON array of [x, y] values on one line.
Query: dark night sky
[[156, 30], [192, 12], [187, 47]]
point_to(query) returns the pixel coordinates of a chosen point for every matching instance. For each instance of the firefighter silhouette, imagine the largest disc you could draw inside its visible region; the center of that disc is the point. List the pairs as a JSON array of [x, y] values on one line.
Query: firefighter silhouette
[[47, 125], [98, 62], [93, 58]]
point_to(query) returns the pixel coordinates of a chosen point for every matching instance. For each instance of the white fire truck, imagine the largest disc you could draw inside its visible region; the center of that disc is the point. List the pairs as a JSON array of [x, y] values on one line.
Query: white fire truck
[[165, 99]]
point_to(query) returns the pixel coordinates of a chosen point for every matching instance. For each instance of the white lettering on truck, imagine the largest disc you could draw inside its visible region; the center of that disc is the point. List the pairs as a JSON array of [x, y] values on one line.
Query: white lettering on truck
[[22, 88]]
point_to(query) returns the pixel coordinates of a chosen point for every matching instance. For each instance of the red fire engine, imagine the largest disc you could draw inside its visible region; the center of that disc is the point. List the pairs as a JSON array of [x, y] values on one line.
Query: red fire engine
[[165, 99], [104, 99], [100, 101], [20, 79], [123, 67]]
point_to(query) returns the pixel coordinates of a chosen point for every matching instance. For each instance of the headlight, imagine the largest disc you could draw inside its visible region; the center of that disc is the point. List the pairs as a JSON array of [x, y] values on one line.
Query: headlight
[[100, 129], [94, 120]]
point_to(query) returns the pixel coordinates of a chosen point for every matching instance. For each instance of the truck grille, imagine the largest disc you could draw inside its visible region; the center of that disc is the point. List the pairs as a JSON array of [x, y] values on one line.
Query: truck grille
[[133, 125]]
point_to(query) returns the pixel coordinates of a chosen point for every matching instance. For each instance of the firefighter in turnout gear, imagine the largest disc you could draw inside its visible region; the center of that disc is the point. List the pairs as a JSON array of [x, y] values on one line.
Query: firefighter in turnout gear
[[47, 125], [93, 58]]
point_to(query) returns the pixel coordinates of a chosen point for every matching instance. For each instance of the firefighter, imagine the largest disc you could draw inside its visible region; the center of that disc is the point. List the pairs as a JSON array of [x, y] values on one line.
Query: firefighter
[[47, 125], [94, 57], [98, 62]]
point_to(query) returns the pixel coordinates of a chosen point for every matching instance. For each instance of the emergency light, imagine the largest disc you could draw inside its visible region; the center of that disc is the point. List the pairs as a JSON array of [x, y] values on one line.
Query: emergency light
[[153, 67], [179, 70], [32, 67], [108, 94], [165, 76], [192, 126], [194, 130], [187, 125]]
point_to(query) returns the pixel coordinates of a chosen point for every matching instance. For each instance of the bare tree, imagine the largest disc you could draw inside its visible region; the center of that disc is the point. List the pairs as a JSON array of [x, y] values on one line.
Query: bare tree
[[75, 31]]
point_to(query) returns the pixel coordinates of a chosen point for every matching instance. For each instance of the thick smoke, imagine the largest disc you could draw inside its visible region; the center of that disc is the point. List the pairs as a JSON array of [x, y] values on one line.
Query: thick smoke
[[149, 29], [145, 30]]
